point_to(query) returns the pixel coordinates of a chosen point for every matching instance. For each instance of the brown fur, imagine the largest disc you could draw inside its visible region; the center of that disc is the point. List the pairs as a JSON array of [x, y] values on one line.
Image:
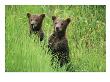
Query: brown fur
[[35, 24], [58, 43]]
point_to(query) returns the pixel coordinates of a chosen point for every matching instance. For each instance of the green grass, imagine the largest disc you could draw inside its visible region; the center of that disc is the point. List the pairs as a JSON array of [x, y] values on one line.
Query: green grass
[[86, 37]]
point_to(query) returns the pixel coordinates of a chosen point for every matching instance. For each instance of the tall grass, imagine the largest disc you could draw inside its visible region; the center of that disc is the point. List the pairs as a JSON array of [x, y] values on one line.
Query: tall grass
[[86, 37]]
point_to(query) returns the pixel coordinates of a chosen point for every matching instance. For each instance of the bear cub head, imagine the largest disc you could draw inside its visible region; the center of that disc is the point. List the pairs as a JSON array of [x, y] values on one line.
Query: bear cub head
[[35, 21], [60, 25]]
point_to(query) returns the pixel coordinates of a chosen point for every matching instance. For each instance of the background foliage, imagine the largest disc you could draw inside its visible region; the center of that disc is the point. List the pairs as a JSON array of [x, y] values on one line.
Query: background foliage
[[86, 36]]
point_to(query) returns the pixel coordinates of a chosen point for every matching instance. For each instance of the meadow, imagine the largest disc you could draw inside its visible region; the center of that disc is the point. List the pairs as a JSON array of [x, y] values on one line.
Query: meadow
[[86, 35]]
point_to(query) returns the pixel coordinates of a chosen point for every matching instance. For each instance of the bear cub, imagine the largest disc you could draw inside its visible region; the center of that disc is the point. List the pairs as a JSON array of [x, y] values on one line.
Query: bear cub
[[35, 24], [58, 43]]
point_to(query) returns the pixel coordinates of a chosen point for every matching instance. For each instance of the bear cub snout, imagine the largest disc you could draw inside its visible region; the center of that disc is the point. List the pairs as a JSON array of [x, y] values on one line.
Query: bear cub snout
[[35, 24]]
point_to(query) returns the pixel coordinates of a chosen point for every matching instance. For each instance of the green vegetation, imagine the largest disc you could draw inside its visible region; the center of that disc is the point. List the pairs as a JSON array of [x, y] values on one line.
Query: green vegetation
[[86, 37]]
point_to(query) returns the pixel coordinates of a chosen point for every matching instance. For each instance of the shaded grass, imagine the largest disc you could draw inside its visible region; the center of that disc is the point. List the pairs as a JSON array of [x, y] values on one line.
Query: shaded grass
[[85, 33]]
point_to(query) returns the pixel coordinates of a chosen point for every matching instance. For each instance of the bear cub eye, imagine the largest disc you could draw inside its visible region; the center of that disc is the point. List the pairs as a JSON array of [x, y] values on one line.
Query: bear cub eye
[[55, 22]]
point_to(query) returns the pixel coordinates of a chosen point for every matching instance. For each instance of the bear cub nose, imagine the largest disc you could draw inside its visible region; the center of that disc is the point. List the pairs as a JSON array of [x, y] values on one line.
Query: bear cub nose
[[32, 24], [57, 28]]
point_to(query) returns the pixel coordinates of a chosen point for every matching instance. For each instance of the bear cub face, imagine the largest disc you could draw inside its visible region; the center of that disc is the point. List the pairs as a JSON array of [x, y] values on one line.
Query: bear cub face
[[35, 21], [60, 25]]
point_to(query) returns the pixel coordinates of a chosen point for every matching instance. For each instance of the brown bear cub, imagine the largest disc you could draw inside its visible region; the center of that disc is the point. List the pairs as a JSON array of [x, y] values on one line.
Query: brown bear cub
[[58, 43], [35, 23]]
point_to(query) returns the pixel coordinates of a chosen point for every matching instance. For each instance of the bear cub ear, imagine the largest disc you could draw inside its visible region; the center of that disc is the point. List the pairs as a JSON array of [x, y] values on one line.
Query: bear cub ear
[[68, 20], [54, 17], [28, 15], [42, 15]]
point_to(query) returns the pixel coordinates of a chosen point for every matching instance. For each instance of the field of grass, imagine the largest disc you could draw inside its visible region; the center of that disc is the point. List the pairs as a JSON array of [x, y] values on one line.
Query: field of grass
[[86, 37]]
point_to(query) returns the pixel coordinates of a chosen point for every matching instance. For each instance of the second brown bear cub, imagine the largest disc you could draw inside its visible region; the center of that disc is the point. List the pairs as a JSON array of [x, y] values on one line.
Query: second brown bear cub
[[58, 43], [35, 22]]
